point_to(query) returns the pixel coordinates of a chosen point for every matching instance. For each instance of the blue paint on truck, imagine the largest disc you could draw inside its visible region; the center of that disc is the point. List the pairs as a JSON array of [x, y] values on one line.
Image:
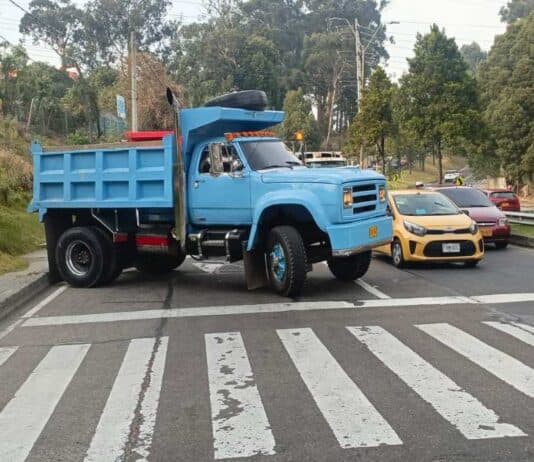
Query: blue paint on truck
[[246, 197]]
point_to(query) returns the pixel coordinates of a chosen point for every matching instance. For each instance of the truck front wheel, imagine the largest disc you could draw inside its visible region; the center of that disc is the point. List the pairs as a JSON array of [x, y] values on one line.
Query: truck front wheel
[[158, 264], [80, 257], [350, 268], [286, 261]]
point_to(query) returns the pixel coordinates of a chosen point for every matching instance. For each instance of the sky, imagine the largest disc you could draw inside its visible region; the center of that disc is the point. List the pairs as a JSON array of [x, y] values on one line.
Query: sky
[[466, 20]]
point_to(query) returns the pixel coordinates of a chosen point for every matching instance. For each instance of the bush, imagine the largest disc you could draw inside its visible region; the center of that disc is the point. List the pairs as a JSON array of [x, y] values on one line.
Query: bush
[[15, 176], [78, 138]]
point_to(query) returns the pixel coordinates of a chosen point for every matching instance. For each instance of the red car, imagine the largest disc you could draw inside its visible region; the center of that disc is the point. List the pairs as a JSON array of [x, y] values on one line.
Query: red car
[[504, 199], [491, 221]]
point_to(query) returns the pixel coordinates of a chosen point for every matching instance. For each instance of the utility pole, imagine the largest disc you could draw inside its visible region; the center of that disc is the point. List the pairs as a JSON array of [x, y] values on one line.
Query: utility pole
[[360, 71], [133, 76]]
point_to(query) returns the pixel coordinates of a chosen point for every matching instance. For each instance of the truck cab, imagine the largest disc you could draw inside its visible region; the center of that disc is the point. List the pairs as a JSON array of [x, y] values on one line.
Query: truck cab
[[223, 187]]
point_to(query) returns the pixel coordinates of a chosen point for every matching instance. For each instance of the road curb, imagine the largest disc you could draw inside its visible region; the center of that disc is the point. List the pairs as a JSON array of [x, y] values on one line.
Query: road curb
[[24, 295], [522, 241]]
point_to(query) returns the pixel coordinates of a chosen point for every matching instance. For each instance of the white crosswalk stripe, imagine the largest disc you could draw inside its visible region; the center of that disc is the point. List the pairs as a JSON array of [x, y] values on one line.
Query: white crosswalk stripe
[[500, 364], [24, 417], [522, 332], [239, 421], [138, 383], [240, 424], [5, 353], [462, 410], [353, 419]]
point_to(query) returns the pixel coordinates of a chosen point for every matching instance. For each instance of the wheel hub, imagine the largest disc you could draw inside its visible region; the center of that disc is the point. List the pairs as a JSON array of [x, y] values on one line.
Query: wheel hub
[[278, 262], [78, 258]]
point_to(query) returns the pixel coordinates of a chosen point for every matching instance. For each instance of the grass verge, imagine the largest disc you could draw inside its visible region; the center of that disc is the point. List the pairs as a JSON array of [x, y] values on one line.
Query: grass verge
[[20, 233], [523, 230]]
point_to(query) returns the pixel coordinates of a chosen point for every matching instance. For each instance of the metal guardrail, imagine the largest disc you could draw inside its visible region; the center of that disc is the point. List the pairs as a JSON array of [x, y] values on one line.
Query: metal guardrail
[[520, 218]]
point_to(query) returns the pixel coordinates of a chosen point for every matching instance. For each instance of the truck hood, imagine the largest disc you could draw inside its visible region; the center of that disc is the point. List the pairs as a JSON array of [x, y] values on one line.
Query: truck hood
[[336, 175]]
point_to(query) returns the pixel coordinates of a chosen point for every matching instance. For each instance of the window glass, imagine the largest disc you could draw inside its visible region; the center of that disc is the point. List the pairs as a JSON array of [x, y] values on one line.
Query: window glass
[[424, 205], [503, 195], [467, 197], [268, 154], [229, 154]]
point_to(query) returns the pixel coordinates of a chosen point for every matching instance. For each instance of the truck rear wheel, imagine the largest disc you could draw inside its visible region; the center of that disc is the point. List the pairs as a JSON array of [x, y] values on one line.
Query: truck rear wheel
[[112, 263], [350, 268], [286, 261], [80, 257], [158, 264]]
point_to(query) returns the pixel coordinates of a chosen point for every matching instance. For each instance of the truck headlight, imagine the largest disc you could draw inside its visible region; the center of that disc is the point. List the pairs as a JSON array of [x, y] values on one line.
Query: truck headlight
[[347, 198], [415, 229], [503, 222], [473, 229], [382, 193]]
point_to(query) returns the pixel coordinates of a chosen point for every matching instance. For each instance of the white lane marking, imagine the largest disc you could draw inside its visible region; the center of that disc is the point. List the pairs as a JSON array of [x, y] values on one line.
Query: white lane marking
[[503, 298], [500, 364], [149, 406], [522, 332], [44, 302], [113, 429], [186, 313], [25, 416], [229, 310], [240, 426], [5, 332], [35, 309], [372, 290], [353, 419], [208, 267], [465, 412], [5, 353]]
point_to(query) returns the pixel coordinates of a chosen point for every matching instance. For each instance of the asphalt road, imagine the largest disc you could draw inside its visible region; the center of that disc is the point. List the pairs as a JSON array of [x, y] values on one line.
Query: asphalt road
[[425, 364]]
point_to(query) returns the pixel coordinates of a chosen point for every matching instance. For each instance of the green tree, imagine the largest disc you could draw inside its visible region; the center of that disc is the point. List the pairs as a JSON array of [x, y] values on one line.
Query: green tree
[[441, 101], [507, 82], [374, 123], [474, 56], [299, 118], [516, 9]]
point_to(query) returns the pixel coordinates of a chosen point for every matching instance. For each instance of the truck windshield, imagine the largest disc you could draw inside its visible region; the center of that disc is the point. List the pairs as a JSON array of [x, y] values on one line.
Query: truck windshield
[[268, 154]]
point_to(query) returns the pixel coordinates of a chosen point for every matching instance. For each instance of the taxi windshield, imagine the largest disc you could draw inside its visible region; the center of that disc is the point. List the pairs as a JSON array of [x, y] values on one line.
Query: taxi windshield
[[424, 205]]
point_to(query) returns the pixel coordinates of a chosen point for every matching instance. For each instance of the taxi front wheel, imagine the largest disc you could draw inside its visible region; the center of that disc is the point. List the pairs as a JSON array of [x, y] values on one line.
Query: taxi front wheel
[[397, 254]]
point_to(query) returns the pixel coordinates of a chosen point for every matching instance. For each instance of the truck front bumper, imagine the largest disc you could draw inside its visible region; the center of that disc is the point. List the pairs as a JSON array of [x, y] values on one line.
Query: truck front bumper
[[360, 236]]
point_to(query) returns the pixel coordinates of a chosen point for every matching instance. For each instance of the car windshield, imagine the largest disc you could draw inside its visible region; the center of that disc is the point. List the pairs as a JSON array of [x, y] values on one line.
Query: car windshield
[[467, 197], [424, 205], [333, 163], [503, 195], [268, 154]]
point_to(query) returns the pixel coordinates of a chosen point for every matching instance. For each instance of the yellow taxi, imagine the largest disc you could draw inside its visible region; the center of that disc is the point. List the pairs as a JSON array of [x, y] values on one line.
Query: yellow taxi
[[428, 227]]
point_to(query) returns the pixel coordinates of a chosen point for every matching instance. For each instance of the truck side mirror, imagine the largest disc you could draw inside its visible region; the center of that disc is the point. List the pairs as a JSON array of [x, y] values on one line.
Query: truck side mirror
[[237, 167], [216, 159]]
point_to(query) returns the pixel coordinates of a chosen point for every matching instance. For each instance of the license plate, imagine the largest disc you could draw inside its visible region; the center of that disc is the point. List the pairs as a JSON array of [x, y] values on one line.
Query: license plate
[[451, 248], [486, 232], [373, 232]]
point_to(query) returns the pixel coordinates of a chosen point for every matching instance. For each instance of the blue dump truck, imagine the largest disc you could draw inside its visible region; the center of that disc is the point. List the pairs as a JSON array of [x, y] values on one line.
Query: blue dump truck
[[221, 187]]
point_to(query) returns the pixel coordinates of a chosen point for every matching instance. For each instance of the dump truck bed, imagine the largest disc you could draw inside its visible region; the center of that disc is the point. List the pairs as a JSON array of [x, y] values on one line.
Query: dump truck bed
[[120, 175]]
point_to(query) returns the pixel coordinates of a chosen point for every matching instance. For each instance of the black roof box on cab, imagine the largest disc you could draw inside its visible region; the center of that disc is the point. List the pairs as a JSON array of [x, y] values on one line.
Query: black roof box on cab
[[254, 100]]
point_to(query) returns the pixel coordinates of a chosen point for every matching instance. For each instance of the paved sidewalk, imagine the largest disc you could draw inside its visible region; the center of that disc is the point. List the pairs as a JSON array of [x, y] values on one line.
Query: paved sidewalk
[[16, 288]]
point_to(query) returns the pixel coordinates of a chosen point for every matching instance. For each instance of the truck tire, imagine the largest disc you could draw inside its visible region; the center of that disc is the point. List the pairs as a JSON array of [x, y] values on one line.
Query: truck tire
[[350, 268], [80, 257], [253, 100], [158, 264], [112, 263], [286, 261]]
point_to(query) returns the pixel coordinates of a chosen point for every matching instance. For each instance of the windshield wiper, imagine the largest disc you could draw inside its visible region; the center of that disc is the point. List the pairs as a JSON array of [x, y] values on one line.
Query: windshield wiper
[[276, 166], [293, 162]]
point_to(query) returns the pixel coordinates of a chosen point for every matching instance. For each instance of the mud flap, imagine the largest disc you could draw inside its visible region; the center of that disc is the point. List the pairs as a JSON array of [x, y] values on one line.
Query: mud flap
[[255, 269]]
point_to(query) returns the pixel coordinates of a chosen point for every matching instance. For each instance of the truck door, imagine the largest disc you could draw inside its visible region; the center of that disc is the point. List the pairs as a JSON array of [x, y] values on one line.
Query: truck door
[[222, 199]]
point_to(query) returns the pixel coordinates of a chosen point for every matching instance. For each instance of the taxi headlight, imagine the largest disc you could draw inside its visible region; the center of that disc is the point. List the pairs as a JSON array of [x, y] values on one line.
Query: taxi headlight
[[347, 198], [503, 222], [473, 229], [415, 229]]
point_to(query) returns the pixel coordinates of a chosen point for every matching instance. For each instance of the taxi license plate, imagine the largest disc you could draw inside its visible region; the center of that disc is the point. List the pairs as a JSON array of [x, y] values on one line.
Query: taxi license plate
[[451, 248], [373, 232], [486, 232]]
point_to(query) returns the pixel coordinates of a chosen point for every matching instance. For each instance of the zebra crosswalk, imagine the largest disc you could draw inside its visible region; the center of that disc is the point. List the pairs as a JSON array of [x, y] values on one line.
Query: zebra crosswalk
[[240, 420]]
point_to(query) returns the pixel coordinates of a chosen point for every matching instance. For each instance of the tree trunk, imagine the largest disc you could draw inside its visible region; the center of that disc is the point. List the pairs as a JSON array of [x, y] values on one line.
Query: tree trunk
[[382, 150], [440, 162]]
